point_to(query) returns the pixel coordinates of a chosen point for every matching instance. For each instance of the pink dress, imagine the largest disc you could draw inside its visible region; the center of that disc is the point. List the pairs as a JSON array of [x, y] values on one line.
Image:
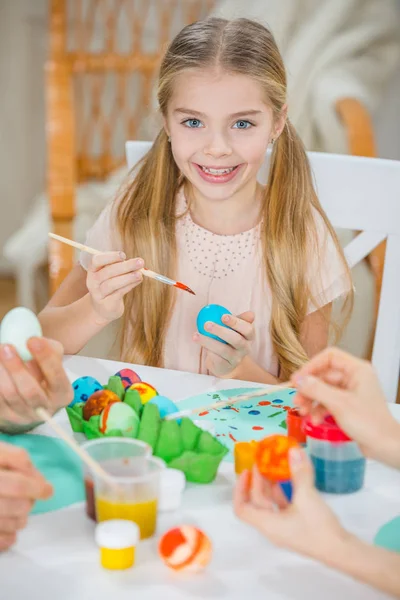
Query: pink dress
[[226, 270]]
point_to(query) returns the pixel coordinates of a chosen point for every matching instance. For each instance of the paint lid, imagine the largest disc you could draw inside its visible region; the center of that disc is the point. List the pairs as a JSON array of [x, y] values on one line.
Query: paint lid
[[327, 430], [172, 485], [117, 534]]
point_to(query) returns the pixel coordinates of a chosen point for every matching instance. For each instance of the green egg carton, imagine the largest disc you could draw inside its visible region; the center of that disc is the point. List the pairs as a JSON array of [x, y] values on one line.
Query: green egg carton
[[182, 446]]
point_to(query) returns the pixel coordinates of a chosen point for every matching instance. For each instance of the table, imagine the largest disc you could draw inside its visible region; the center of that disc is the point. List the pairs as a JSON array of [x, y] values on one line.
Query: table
[[56, 558]]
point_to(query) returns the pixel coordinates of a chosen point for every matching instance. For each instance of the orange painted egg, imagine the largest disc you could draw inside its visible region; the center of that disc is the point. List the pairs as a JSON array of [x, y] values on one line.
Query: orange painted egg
[[185, 548], [272, 457], [97, 402], [145, 390]]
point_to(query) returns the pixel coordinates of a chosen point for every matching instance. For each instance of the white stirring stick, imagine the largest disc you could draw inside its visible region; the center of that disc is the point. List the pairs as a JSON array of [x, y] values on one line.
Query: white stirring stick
[[91, 463], [232, 400]]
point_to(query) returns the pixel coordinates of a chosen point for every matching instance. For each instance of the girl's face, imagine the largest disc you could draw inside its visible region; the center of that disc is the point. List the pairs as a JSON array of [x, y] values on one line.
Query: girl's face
[[220, 128]]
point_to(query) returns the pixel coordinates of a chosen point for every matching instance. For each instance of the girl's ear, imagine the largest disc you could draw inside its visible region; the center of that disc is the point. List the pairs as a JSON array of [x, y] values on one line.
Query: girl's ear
[[280, 122]]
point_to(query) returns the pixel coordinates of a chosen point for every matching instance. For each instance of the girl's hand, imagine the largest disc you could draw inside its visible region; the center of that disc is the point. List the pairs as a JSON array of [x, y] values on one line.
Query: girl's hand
[[306, 525], [26, 386], [109, 278], [222, 359], [20, 485], [348, 388]]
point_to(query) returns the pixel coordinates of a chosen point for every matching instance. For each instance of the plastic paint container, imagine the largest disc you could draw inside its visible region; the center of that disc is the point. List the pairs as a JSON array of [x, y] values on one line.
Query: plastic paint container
[[338, 462], [245, 456], [294, 422], [117, 540]]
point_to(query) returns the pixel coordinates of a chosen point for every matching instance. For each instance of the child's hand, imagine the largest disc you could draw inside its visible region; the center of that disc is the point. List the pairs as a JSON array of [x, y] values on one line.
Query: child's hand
[[20, 485], [222, 359], [109, 278], [348, 388], [306, 525]]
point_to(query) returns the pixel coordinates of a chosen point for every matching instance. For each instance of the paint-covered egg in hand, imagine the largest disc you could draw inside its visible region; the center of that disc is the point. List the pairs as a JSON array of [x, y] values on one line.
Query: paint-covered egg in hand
[[119, 416], [272, 457], [273, 461], [98, 402], [213, 313], [165, 405], [128, 377], [145, 391], [17, 327], [185, 548], [84, 387]]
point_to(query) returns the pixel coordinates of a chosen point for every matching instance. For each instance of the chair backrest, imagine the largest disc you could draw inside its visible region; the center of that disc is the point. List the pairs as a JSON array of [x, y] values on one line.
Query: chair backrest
[[361, 194]]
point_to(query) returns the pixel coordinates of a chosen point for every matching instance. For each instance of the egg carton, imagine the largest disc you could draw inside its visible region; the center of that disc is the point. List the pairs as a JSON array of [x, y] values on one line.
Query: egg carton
[[181, 444]]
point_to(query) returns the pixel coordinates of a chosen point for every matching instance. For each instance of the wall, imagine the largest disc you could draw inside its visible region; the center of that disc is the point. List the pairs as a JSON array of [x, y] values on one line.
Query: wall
[[23, 25]]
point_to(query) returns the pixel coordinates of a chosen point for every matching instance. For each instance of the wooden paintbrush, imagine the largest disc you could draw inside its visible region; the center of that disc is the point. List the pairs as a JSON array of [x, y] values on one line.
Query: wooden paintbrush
[[144, 271], [229, 401], [87, 459]]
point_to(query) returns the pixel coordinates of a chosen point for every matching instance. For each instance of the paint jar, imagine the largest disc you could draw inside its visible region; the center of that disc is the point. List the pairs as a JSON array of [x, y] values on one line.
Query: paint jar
[[117, 540], [295, 429], [122, 450], [131, 494], [172, 486], [245, 456], [338, 462]]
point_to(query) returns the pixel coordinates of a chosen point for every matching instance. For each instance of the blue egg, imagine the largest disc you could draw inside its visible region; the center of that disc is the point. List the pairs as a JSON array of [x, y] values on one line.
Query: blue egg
[[84, 387], [165, 406], [213, 313]]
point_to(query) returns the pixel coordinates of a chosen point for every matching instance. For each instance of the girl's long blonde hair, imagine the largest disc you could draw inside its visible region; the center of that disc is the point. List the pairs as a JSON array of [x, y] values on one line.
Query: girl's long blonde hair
[[146, 211]]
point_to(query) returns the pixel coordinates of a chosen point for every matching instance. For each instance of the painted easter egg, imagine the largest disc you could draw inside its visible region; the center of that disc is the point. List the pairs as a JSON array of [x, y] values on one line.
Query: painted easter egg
[[97, 403], [118, 415], [213, 313], [84, 387], [272, 457], [145, 390], [17, 327], [165, 405], [128, 377], [185, 548]]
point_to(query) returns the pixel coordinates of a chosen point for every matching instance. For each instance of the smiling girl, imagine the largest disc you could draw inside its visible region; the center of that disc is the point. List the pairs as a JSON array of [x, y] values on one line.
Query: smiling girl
[[193, 210]]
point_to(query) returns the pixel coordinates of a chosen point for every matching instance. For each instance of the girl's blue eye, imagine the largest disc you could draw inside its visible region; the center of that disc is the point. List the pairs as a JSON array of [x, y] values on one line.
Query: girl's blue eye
[[242, 125], [193, 123]]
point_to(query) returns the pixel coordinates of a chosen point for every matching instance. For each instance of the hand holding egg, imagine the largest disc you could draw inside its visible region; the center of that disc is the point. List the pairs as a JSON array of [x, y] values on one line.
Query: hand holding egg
[[307, 525], [226, 338], [25, 386]]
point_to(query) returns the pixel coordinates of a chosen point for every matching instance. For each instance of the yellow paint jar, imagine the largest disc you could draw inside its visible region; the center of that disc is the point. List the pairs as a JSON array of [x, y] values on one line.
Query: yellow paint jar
[[245, 456], [117, 540]]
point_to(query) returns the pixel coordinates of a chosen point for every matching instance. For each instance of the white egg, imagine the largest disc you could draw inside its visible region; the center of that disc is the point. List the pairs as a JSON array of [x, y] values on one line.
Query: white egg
[[17, 327]]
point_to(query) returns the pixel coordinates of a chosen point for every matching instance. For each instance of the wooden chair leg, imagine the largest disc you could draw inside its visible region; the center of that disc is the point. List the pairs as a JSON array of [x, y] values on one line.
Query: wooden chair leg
[[60, 144]]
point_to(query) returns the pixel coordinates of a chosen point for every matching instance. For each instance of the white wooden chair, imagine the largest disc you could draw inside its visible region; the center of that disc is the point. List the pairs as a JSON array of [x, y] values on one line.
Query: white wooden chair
[[361, 194]]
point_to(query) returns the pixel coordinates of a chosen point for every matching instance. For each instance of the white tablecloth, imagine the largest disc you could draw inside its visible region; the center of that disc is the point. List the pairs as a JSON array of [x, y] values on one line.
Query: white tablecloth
[[56, 557]]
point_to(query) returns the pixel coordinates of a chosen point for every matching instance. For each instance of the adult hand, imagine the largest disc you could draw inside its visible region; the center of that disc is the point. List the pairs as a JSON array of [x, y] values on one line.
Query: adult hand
[[24, 387], [347, 387], [306, 525], [20, 485]]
